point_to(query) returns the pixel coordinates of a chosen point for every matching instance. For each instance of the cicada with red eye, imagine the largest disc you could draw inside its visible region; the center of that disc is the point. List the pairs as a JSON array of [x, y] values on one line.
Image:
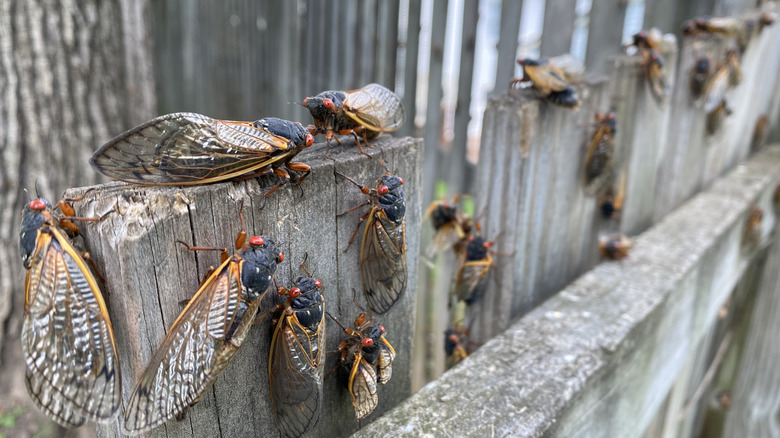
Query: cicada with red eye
[[383, 251], [599, 158], [474, 266], [700, 75], [295, 361], [455, 346], [450, 226], [73, 372], [548, 81], [368, 357], [615, 247], [205, 336], [367, 111], [189, 148]]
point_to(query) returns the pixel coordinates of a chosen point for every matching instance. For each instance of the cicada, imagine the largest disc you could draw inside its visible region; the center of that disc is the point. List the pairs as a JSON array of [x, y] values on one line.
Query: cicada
[[454, 346], [474, 265], [383, 251], [646, 40], [295, 361], [599, 158], [73, 372], [735, 67], [760, 133], [655, 74], [700, 75], [611, 200], [450, 226], [548, 81], [615, 247], [205, 336], [189, 148], [369, 111], [368, 357], [716, 117]]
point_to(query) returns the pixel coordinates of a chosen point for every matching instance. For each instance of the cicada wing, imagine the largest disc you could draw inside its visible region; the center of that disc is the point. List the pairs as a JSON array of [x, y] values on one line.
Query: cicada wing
[[295, 372], [716, 88], [545, 78], [375, 107], [198, 346], [472, 279], [73, 371], [383, 261], [187, 148], [384, 365], [599, 162], [362, 387]]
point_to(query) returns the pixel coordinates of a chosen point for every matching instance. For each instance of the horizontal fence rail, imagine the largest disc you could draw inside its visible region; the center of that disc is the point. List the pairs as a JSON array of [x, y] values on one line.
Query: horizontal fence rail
[[148, 275], [599, 357]]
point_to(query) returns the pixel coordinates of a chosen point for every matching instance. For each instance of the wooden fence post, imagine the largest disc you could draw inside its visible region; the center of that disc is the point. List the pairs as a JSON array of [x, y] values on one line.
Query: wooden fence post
[[147, 275]]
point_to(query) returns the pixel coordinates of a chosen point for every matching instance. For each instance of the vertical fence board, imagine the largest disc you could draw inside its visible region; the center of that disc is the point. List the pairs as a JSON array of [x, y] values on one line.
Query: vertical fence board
[[558, 27], [410, 66], [508, 41], [387, 28], [458, 172], [605, 32], [148, 274]]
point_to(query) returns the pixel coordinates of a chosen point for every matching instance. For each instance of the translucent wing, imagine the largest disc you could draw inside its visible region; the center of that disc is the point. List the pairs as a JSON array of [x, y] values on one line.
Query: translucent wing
[[472, 279], [201, 342], [383, 261], [362, 387], [545, 78], [715, 89], [385, 361], [188, 148], [447, 236], [295, 373], [375, 107], [73, 371]]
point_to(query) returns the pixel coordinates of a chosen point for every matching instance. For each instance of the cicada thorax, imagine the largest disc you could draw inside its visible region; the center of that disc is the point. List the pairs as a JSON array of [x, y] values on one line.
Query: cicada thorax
[[73, 372], [204, 338], [472, 276], [295, 362]]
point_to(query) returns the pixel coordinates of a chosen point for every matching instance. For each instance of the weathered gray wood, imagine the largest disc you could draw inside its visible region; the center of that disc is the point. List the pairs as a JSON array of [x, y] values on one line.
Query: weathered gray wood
[[599, 358], [411, 47], [148, 274], [507, 42], [558, 27], [754, 407], [530, 200], [387, 47], [662, 14], [71, 75], [458, 172], [605, 32]]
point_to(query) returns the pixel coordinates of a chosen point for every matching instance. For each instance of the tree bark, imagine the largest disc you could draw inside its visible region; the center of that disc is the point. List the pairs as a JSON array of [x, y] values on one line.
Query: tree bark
[[72, 75]]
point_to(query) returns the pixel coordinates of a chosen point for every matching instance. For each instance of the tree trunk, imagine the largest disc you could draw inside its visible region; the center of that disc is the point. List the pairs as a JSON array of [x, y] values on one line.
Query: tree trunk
[[72, 75]]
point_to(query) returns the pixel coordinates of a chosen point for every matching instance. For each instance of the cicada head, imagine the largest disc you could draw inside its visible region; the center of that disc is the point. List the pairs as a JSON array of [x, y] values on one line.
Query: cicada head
[[391, 197], [307, 305], [298, 135], [325, 104]]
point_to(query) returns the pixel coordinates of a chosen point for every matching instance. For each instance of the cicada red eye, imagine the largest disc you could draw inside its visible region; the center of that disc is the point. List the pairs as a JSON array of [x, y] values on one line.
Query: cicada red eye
[[471, 238], [383, 189], [401, 180], [256, 240], [309, 140], [305, 100], [487, 245], [281, 257], [318, 283], [37, 204], [294, 292], [327, 103], [381, 327], [367, 342]]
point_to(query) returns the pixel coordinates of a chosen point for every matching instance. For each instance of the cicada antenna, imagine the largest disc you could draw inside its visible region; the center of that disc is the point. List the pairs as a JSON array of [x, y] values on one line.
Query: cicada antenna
[[303, 264], [336, 320]]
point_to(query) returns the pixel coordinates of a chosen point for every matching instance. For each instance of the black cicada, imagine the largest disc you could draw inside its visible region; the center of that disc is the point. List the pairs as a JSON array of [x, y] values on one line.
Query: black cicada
[[599, 158], [549, 81], [383, 251], [369, 111], [471, 278], [189, 148], [454, 346], [73, 372], [205, 336], [615, 247], [368, 357], [451, 227], [295, 362]]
